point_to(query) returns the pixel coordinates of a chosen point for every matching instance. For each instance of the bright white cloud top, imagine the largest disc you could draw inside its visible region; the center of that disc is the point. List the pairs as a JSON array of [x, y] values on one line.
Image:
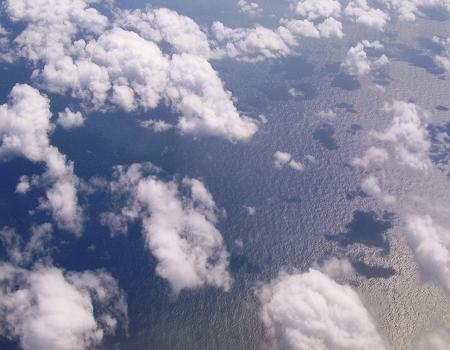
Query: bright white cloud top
[[46, 308], [179, 229], [310, 311], [24, 132]]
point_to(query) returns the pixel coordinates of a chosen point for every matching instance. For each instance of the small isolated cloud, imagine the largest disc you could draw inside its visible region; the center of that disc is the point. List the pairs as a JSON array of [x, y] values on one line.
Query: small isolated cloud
[[250, 210], [249, 8], [46, 308], [360, 12], [156, 125], [407, 133], [357, 62], [69, 120], [430, 244], [178, 224], [310, 311], [24, 132], [281, 159], [314, 9], [371, 186], [328, 114]]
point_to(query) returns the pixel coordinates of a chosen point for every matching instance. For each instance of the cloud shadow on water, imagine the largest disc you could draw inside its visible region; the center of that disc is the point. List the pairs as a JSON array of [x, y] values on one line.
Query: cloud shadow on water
[[325, 135]]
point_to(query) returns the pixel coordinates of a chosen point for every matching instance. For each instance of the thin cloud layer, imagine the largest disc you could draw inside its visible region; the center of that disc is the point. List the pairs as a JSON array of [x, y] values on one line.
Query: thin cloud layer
[[310, 311], [178, 224], [46, 308], [24, 132]]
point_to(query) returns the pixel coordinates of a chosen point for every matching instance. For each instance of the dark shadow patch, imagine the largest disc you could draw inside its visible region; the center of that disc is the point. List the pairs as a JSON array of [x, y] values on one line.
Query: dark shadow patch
[[381, 77], [355, 128], [242, 263], [276, 93], [349, 108], [366, 228], [325, 135], [346, 82], [331, 68], [441, 108], [419, 59], [294, 68], [370, 271], [430, 45], [358, 193], [435, 14]]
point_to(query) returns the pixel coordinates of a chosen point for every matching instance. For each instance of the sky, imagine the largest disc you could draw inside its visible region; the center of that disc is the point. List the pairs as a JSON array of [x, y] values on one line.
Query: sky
[[225, 174]]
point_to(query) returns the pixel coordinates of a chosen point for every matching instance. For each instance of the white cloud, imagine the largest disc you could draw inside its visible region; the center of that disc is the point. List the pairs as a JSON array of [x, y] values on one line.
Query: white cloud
[[46, 308], [430, 244], [371, 186], [280, 159], [443, 59], [179, 230], [357, 62], [156, 125], [111, 66], [313, 9], [69, 120], [24, 132], [249, 8], [408, 10], [310, 311], [360, 12], [407, 134], [336, 268], [327, 114], [250, 210], [164, 25]]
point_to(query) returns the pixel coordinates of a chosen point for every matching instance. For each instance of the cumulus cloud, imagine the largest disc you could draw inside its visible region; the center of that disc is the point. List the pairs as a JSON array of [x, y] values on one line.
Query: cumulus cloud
[[408, 10], [69, 120], [249, 8], [360, 12], [281, 159], [260, 43], [46, 308], [407, 134], [178, 224], [24, 132], [310, 311], [371, 186], [156, 125], [443, 59], [313, 9], [430, 243], [113, 66], [357, 62]]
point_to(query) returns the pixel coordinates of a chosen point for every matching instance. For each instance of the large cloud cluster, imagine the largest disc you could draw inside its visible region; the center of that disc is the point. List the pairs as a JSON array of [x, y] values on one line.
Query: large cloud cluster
[[178, 224], [78, 51], [359, 11], [310, 311], [46, 308], [24, 132]]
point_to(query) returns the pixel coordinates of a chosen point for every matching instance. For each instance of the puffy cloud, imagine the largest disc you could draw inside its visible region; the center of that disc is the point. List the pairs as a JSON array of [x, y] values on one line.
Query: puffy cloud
[[373, 156], [360, 12], [261, 43], [46, 308], [408, 10], [311, 311], [156, 125], [443, 59], [280, 159], [407, 134], [357, 62], [371, 186], [164, 25], [179, 229], [313, 9], [112, 66], [249, 8], [430, 244], [69, 120], [24, 132]]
